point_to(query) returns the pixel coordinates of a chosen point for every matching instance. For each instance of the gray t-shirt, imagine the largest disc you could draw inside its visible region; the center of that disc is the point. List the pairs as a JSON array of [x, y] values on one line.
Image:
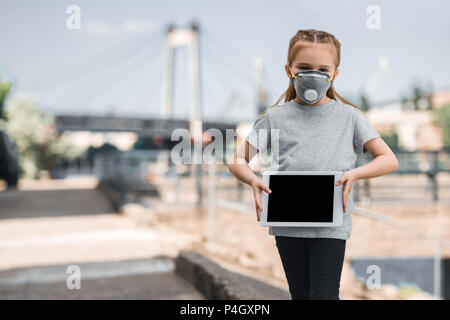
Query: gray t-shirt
[[326, 137]]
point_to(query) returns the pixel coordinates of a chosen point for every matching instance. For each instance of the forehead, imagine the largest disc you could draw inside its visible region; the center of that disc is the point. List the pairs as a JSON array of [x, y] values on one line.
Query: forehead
[[314, 53]]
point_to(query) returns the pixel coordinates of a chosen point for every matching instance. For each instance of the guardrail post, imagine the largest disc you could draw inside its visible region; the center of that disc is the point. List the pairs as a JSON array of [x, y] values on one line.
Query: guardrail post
[[176, 183], [356, 188], [437, 270], [240, 190], [433, 186], [367, 188], [211, 199]]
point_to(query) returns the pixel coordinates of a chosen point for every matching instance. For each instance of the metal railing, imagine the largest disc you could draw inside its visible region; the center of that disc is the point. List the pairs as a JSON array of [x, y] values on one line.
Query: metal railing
[[428, 163]]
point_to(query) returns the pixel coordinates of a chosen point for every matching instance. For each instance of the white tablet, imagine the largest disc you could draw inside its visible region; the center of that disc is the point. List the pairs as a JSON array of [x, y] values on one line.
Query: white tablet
[[302, 199]]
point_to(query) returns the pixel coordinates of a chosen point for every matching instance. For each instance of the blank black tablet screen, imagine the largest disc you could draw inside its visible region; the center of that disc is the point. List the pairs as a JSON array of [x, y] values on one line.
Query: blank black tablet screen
[[301, 198]]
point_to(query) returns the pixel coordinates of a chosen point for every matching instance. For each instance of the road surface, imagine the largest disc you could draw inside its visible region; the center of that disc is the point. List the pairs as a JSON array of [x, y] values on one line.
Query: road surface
[[55, 235]]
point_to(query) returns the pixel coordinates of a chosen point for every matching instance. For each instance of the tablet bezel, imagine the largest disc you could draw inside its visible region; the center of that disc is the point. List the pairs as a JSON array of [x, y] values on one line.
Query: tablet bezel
[[338, 211]]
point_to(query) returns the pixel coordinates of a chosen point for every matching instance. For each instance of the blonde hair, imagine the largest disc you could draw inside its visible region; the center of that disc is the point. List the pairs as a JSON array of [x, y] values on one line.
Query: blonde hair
[[312, 36]]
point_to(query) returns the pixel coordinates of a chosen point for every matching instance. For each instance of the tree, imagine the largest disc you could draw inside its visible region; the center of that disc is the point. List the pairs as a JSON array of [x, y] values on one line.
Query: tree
[[391, 139], [417, 95], [5, 88], [419, 98], [441, 118], [364, 103], [40, 147]]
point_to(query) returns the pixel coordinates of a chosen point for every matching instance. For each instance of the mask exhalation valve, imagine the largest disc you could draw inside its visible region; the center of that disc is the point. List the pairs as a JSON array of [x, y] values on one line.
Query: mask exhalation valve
[[311, 94]]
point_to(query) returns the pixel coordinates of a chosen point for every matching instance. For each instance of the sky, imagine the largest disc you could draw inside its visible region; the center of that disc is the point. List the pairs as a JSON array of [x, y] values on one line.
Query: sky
[[114, 64]]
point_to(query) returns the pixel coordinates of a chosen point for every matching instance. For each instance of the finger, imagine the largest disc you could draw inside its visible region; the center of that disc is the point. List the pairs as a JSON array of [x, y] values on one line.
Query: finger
[[257, 210], [266, 189], [259, 199], [340, 181], [263, 187], [347, 188], [343, 202], [258, 205], [346, 201]]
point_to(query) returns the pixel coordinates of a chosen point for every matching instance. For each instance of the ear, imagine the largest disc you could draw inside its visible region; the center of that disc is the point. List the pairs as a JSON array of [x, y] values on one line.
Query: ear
[[286, 67], [336, 72]]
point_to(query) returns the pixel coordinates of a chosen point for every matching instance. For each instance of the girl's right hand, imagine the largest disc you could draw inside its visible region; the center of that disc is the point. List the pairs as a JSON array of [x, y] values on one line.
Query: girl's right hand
[[258, 187]]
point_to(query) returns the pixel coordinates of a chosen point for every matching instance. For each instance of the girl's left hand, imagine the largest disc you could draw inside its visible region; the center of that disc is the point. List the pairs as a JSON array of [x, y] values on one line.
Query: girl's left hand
[[347, 179]]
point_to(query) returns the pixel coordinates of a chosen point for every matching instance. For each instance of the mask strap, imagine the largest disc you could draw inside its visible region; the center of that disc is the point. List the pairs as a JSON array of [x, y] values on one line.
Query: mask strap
[[293, 75], [331, 77]]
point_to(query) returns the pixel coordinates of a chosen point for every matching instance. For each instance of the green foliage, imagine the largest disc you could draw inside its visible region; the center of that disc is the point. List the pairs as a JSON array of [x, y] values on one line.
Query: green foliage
[[364, 103], [5, 88], [91, 152], [149, 143], [391, 139], [406, 291], [418, 98], [441, 118], [39, 145]]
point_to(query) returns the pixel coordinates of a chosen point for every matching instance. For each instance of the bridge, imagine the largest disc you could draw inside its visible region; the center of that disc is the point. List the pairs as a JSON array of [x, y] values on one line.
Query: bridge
[[101, 78], [141, 126]]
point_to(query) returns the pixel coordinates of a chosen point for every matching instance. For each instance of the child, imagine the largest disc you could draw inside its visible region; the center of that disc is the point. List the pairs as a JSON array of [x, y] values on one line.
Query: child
[[317, 130]]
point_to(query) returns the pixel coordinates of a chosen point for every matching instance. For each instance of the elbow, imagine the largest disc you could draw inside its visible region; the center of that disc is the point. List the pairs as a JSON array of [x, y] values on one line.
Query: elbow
[[395, 164]]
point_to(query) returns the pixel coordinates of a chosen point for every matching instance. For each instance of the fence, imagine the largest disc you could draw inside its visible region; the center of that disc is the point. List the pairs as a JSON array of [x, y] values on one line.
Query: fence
[[428, 163]]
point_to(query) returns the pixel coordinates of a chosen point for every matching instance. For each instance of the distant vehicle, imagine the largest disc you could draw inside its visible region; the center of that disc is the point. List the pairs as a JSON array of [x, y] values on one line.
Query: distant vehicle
[[9, 161]]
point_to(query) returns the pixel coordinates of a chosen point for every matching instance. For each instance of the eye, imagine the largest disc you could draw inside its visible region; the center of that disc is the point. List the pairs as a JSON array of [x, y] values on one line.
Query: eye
[[323, 70]]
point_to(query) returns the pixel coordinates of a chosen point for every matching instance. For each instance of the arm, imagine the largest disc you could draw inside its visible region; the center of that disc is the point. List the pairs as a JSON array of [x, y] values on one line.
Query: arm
[[239, 167], [241, 170], [384, 162]]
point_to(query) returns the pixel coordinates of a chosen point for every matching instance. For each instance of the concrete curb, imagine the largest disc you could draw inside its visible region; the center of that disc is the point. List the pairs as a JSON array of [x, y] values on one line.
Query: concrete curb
[[217, 283], [115, 196], [115, 192], [119, 192]]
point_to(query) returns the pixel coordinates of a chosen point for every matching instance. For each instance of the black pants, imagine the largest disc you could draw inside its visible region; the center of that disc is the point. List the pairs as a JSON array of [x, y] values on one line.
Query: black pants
[[312, 266]]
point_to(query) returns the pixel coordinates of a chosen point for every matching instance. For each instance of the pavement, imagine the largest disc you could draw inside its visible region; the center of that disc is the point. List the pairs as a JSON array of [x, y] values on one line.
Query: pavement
[[144, 279], [63, 240], [48, 226]]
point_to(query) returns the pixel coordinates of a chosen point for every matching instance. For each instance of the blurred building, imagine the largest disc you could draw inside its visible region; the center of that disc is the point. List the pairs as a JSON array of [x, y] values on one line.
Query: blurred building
[[440, 99], [85, 139], [414, 128]]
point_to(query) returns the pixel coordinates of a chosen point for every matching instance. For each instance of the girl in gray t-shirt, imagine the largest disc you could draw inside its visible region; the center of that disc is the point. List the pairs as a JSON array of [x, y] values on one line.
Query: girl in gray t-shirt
[[313, 129]]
